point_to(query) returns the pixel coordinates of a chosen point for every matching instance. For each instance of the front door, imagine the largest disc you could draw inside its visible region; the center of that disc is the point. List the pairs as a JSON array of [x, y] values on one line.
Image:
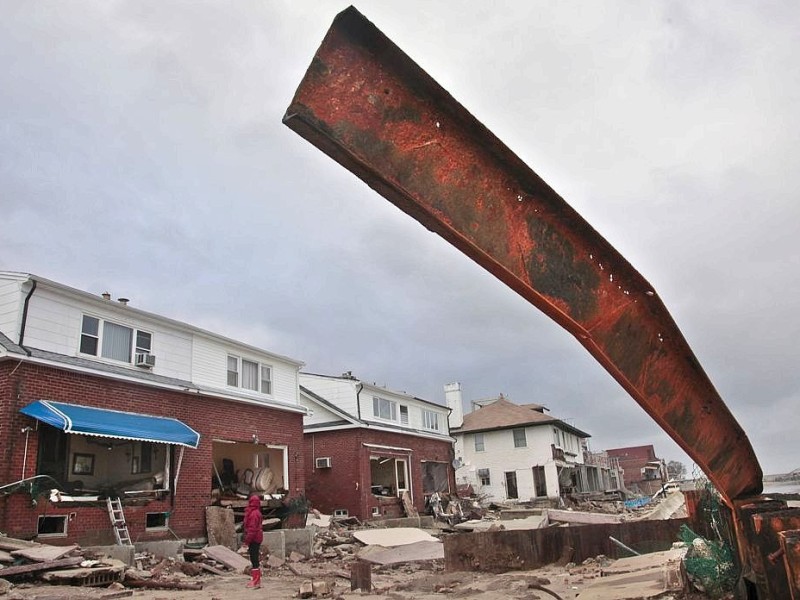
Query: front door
[[401, 476]]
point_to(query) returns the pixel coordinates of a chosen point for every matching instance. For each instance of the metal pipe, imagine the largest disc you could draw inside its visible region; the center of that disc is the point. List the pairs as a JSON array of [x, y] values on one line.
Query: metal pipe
[[624, 547]]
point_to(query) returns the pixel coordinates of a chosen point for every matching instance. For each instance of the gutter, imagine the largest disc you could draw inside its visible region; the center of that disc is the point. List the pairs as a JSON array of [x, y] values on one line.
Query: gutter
[[25, 318]]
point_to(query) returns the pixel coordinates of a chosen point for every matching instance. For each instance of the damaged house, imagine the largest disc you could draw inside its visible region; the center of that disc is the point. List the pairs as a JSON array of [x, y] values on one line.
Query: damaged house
[[368, 447], [102, 400], [643, 472], [512, 452]]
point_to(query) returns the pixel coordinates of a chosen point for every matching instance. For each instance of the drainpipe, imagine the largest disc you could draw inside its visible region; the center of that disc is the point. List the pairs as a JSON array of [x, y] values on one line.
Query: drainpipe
[[25, 318], [360, 387]]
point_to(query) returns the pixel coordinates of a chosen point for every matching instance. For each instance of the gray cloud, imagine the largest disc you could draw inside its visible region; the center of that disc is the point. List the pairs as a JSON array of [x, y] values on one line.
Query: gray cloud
[[143, 152]]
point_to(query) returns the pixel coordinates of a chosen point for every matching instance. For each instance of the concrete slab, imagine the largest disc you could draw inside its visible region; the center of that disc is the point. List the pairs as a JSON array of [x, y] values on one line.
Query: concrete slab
[[508, 514], [639, 585], [415, 552], [423, 522], [398, 536], [674, 501], [162, 548], [578, 517], [645, 561], [124, 553], [44, 553], [532, 522], [282, 542]]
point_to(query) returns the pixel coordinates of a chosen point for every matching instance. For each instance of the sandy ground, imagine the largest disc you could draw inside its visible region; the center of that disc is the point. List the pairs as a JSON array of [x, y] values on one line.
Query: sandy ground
[[420, 582]]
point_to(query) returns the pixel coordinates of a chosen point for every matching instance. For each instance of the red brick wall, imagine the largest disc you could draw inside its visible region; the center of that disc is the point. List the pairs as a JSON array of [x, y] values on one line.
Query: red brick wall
[[347, 483], [211, 417]]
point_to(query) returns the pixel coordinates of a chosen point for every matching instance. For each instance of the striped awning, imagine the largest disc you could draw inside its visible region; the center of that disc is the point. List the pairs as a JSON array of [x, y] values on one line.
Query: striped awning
[[101, 422]]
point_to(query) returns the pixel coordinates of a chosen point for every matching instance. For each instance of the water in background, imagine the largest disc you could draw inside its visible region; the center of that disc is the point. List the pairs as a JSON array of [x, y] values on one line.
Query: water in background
[[782, 487]]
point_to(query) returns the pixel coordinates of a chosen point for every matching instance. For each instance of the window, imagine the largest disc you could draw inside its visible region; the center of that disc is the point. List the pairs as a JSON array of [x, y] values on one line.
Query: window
[[430, 420], [156, 520], [233, 371], [479, 446], [483, 477], [340, 512], [112, 340], [384, 409], [249, 375], [403, 415], [52, 526], [539, 482], [266, 379], [519, 438]]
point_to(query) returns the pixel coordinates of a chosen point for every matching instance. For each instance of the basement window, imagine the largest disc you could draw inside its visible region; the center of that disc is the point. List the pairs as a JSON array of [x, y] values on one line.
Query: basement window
[[340, 512], [157, 521], [52, 526]]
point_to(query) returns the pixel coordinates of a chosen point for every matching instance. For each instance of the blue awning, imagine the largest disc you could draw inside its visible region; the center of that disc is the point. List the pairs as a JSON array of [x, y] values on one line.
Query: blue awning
[[86, 420]]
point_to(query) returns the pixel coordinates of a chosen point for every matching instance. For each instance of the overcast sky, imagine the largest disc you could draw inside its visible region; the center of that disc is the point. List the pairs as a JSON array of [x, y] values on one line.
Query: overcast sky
[[142, 152]]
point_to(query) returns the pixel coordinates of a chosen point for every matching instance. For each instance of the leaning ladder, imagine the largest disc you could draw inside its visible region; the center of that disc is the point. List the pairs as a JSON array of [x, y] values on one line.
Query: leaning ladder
[[118, 521]]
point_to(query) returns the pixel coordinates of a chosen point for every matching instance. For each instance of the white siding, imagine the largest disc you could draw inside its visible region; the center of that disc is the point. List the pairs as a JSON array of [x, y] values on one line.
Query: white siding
[[11, 300], [339, 392], [500, 456], [319, 415], [415, 408], [210, 369]]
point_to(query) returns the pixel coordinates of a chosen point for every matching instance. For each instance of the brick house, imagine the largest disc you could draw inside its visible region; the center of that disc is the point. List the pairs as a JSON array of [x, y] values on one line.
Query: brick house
[[367, 445], [98, 398], [512, 452], [643, 472]]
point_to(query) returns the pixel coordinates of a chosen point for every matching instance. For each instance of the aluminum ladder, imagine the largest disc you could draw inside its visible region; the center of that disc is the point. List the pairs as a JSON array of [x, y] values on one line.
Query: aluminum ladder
[[118, 521]]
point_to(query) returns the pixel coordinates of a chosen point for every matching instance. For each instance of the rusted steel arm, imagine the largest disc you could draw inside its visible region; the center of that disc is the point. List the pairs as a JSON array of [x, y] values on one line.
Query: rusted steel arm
[[371, 108]]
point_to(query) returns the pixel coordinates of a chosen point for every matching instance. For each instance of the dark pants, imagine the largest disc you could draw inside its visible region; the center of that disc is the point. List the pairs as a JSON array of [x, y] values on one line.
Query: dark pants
[[254, 549]]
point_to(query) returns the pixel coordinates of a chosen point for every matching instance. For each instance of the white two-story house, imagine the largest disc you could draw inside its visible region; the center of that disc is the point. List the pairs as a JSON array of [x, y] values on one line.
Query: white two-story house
[[368, 446], [511, 452], [101, 398]]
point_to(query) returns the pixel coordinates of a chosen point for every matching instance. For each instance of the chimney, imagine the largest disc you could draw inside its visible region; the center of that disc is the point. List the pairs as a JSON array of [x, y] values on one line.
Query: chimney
[[106, 296], [452, 394]]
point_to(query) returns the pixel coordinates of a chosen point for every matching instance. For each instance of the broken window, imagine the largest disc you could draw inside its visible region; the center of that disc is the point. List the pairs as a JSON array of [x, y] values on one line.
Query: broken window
[[435, 477], [88, 466], [389, 475], [511, 485], [240, 468]]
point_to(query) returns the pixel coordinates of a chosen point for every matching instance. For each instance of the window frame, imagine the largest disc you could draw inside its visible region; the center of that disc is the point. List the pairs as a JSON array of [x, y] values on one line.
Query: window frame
[[98, 339], [257, 375], [430, 420], [484, 476], [377, 403], [482, 438], [524, 440]]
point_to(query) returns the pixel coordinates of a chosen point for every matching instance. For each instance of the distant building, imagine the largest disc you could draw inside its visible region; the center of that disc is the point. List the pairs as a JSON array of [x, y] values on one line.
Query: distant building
[[643, 471], [512, 452], [366, 446]]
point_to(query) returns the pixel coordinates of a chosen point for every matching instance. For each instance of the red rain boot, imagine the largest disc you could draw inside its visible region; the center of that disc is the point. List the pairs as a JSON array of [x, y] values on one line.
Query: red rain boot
[[255, 579]]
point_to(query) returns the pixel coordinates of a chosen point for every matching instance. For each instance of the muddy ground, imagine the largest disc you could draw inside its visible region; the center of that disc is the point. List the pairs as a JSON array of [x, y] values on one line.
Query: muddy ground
[[425, 581]]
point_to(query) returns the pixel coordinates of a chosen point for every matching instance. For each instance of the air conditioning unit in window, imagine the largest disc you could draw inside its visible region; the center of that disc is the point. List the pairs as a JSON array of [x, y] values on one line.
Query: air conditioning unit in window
[[324, 462], [145, 359]]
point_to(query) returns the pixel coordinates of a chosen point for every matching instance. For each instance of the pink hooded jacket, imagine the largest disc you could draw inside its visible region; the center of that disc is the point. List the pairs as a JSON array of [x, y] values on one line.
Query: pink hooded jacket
[[253, 532]]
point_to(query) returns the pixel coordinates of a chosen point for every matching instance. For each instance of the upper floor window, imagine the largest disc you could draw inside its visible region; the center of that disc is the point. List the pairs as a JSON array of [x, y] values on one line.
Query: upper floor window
[[249, 375], [479, 445], [430, 420], [384, 409], [403, 415], [112, 340], [519, 438]]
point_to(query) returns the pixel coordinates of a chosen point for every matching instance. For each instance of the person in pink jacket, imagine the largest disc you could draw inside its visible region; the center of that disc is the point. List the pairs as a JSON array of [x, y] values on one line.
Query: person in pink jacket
[[253, 537]]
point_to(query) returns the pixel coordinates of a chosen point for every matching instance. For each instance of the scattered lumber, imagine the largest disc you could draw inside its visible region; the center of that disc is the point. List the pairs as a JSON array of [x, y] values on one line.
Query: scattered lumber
[[155, 584], [41, 566], [44, 553]]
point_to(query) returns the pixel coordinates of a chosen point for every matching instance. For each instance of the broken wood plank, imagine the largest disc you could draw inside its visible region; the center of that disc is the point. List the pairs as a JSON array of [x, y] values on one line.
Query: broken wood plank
[[227, 557], [8, 543], [408, 505], [6, 557], [113, 567], [44, 553], [210, 569], [41, 566], [154, 584], [361, 576]]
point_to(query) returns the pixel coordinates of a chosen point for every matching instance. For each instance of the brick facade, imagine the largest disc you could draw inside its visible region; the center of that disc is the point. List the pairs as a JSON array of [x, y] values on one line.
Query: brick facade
[[22, 383], [346, 485]]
